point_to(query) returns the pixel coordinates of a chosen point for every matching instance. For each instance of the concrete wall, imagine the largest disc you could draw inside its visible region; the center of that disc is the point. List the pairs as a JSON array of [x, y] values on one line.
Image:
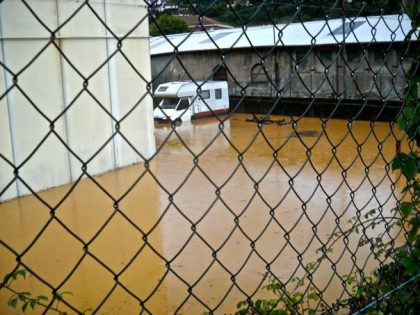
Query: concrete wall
[[309, 78], [69, 96]]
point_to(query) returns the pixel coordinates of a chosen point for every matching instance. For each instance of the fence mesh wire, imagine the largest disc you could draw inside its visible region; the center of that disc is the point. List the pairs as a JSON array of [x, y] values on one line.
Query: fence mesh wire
[[224, 204]]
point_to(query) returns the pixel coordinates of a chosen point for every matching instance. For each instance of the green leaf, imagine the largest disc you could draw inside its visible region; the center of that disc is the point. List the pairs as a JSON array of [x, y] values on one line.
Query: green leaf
[[273, 287], [297, 298], [278, 312], [405, 116], [42, 297], [410, 264], [406, 188], [310, 266], [411, 9], [241, 304], [7, 277], [350, 279], [405, 208], [12, 301], [23, 296], [412, 234], [25, 306], [407, 163], [409, 168], [313, 296], [22, 272], [258, 304], [397, 161], [33, 302]]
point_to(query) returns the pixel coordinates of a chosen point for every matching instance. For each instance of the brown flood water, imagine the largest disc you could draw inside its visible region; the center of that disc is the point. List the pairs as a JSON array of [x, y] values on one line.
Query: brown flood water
[[209, 196]]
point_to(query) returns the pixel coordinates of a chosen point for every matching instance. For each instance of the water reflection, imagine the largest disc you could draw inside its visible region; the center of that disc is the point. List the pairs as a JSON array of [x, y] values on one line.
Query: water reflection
[[219, 202]]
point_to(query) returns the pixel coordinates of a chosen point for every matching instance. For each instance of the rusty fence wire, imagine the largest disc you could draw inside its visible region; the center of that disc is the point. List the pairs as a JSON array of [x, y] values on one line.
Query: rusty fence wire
[[105, 209]]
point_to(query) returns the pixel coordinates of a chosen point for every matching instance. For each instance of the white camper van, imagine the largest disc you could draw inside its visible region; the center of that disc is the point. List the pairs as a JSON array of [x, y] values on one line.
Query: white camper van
[[180, 100]]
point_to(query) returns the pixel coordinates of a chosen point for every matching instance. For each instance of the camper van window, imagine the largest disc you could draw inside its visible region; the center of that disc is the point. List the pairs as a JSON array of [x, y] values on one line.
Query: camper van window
[[184, 104], [162, 88], [218, 94], [169, 103], [205, 94]]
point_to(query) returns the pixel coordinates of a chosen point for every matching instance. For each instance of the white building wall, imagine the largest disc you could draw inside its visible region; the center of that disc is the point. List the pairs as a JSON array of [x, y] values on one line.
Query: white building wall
[[6, 171], [54, 83]]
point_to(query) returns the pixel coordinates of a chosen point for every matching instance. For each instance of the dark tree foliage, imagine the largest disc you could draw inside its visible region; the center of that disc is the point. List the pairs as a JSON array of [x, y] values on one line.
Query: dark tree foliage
[[257, 12], [168, 24]]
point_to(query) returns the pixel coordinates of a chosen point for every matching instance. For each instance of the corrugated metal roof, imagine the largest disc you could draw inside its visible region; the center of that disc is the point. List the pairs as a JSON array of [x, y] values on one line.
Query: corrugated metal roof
[[194, 21], [380, 29]]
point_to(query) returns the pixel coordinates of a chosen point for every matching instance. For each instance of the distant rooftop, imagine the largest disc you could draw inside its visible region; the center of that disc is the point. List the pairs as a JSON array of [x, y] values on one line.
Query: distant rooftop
[[372, 29], [194, 23]]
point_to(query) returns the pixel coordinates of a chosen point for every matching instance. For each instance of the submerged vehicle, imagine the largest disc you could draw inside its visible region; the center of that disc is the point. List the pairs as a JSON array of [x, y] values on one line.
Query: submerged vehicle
[[186, 100]]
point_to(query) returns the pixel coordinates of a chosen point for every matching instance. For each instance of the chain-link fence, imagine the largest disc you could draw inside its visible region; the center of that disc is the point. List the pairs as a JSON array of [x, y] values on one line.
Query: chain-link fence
[[279, 199]]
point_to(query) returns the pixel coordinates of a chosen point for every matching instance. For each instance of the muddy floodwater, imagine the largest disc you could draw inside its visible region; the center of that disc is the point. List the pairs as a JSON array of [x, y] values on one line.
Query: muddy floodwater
[[198, 226]]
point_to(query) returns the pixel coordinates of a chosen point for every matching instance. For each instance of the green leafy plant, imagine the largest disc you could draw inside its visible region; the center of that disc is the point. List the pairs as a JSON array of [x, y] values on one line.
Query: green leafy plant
[[23, 299], [284, 302], [394, 287], [26, 300]]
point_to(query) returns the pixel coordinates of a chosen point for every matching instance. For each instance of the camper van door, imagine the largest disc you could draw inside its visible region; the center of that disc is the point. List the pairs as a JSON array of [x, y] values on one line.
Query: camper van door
[[184, 110]]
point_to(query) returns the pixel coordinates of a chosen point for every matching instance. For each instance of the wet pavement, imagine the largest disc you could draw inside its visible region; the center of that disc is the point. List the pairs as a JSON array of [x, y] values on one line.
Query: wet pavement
[[218, 203]]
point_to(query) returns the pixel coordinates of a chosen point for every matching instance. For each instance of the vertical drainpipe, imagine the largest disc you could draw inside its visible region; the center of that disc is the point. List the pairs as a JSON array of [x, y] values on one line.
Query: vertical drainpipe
[[64, 95], [276, 65], [113, 103], [344, 52], [10, 112]]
